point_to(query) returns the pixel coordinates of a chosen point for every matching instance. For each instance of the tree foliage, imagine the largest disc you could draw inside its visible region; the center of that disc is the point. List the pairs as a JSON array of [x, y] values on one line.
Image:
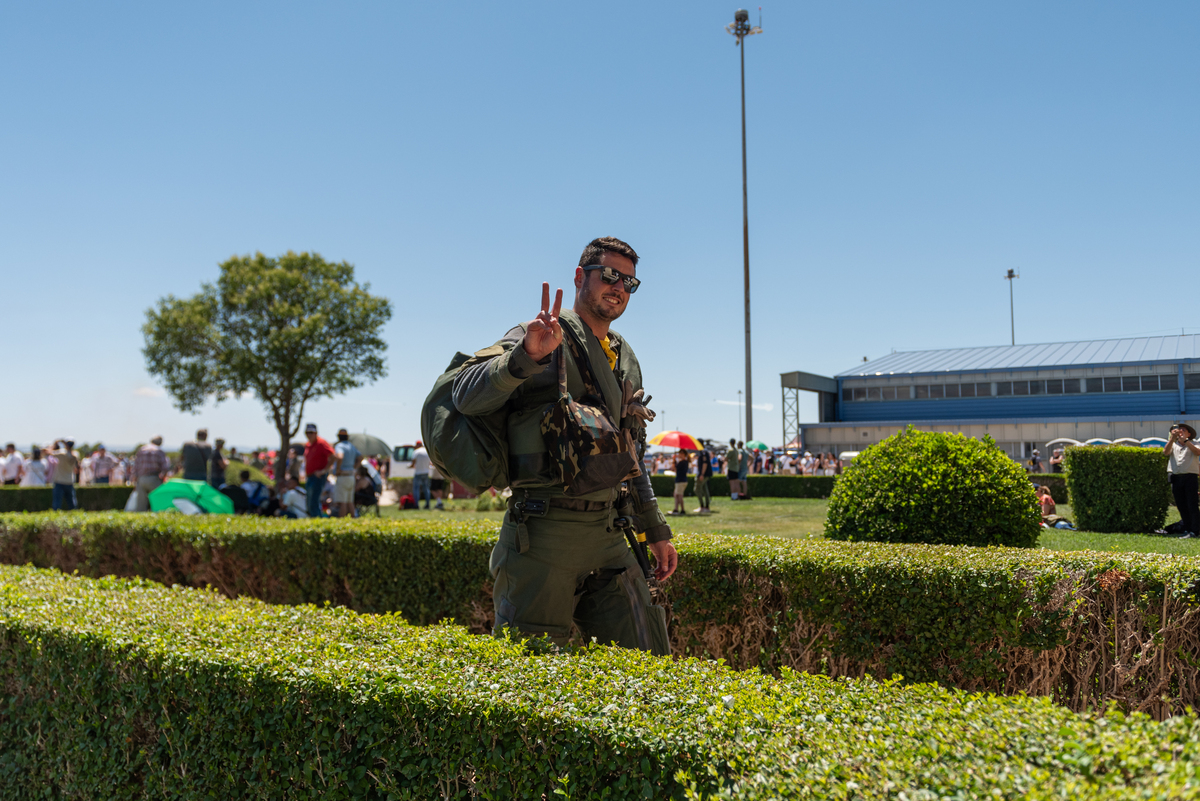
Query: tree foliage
[[286, 330]]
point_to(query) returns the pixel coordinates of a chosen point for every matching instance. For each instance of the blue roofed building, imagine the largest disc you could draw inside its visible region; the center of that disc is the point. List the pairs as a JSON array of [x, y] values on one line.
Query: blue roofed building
[[1023, 396]]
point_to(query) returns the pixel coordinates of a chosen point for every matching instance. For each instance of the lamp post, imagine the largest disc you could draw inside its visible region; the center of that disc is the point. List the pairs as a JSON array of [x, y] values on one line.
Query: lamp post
[[1012, 320], [740, 28]]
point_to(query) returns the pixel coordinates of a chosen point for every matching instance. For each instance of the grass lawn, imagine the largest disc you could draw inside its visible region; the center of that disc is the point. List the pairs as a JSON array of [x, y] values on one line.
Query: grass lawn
[[802, 517]]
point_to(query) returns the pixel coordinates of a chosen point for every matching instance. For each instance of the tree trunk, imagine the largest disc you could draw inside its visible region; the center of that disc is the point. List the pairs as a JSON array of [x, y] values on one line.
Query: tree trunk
[[281, 456]]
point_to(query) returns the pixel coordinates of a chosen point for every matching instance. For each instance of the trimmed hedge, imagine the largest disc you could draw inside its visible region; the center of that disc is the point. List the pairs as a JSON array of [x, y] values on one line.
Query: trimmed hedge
[[763, 486], [126, 689], [1118, 488], [1091, 630], [932, 487], [91, 498]]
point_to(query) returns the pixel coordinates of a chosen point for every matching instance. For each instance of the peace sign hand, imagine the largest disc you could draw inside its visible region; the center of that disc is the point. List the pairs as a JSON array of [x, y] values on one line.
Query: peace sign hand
[[543, 333]]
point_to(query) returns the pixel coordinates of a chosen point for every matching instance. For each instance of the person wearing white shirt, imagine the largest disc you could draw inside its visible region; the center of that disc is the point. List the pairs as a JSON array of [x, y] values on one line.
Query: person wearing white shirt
[[1183, 468], [12, 465], [420, 466], [35, 470], [294, 501]]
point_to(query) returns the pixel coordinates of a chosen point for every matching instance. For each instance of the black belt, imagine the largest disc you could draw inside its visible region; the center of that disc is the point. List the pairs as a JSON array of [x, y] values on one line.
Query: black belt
[[576, 505]]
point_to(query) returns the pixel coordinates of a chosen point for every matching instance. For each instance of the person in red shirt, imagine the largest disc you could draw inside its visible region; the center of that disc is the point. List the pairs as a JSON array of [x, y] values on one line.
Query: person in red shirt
[[318, 460]]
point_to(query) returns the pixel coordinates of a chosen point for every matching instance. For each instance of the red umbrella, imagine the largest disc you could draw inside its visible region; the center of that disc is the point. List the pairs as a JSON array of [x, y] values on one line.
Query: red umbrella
[[675, 439]]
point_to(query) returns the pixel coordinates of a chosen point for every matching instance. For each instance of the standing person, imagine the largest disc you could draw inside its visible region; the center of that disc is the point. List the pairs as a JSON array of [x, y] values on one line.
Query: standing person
[[733, 469], [318, 463], [35, 470], [347, 459], [1056, 460], [150, 467], [682, 468], [420, 466], [216, 467], [195, 457], [1035, 461], [1184, 471], [437, 485], [103, 464], [704, 471], [64, 476], [744, 471], [12, 465], [561, 560]]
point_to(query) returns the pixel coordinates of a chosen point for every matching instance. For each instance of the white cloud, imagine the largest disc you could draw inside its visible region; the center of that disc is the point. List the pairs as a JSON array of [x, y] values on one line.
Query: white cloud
[[149, 392]]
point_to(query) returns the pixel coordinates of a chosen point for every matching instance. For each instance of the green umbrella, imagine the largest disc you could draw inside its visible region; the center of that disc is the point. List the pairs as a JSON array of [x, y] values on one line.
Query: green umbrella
[[200, 493], [757, 445], [369, 445]]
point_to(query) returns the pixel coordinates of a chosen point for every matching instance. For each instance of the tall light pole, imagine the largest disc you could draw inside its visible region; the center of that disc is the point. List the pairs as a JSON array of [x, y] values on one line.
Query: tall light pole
[[741, 28], [1012, 320]]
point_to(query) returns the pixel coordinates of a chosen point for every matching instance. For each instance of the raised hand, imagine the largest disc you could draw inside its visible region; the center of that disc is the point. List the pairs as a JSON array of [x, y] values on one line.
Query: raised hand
[[543, 333]]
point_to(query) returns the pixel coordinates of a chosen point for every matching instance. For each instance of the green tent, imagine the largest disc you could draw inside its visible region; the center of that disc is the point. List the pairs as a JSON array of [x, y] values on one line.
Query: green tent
[[200, 493]]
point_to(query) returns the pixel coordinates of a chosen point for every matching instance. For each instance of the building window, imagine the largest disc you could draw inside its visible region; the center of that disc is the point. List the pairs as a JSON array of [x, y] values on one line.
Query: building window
[[983, 390], [1168, 382], [889, 393], [1191, 381], [1037, 387], [1095, 385], [873, 394], [1149, 383], [1112, 383], [1020, 387], [1004, 387], [860, 393], [1071, 385], [922, 390], [1054, 386], [935, 390], [966, 390]]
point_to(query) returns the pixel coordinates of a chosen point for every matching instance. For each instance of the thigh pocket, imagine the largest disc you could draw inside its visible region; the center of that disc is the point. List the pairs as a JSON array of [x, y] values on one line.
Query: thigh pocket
[[506, 543]]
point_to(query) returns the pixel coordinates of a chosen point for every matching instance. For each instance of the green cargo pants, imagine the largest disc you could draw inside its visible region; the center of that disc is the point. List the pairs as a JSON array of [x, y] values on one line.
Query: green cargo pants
[[579, 569], [702, 493]]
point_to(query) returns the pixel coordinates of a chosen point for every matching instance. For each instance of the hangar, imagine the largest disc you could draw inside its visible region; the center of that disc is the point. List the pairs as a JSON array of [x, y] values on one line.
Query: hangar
[[1024, 396]]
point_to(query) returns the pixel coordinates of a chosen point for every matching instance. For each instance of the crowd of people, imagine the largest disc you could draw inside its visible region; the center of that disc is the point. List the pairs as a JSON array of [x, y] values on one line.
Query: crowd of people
[[321, 479], [764, 462]]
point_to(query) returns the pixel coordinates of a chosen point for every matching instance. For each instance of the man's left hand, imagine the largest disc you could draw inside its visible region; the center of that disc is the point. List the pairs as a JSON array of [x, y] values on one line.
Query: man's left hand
[[665, 559]]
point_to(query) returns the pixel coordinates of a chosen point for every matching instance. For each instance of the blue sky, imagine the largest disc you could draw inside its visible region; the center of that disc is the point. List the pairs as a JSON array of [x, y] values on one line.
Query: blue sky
[[901, 158]]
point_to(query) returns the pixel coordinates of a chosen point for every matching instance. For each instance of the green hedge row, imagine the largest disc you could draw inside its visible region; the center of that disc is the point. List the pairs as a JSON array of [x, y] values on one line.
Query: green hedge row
[[762, 486], [1090, 630], [125, 689], [92, 498], [1118, 489]]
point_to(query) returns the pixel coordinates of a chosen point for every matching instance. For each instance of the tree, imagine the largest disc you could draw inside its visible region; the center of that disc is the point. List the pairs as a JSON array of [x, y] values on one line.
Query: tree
[[285, 330]]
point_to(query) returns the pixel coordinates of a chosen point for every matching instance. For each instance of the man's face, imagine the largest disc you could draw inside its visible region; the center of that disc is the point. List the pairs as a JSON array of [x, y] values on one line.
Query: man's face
[[311, 436], [604, 301], [9, 449]]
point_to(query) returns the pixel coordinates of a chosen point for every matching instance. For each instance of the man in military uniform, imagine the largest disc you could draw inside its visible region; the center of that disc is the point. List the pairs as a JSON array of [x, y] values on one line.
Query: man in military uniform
[[563, 558]]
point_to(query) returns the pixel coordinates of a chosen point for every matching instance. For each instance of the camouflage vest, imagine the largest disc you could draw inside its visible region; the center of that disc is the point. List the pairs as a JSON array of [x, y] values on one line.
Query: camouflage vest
[[531, 464]]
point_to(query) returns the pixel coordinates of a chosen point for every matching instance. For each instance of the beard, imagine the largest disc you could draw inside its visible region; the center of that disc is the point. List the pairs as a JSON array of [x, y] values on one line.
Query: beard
[[602, 309]]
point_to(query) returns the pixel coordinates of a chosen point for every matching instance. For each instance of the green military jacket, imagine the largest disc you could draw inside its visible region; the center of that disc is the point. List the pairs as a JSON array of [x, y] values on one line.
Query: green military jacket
[[509, 378]]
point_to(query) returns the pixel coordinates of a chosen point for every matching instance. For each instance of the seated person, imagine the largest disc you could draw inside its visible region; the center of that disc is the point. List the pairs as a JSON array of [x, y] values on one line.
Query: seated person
[[365, 493], [256, 491], [1046, 501], [294, 503]]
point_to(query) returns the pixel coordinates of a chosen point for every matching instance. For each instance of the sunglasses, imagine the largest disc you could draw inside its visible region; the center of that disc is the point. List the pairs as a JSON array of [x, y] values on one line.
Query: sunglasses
[[610, 276]]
